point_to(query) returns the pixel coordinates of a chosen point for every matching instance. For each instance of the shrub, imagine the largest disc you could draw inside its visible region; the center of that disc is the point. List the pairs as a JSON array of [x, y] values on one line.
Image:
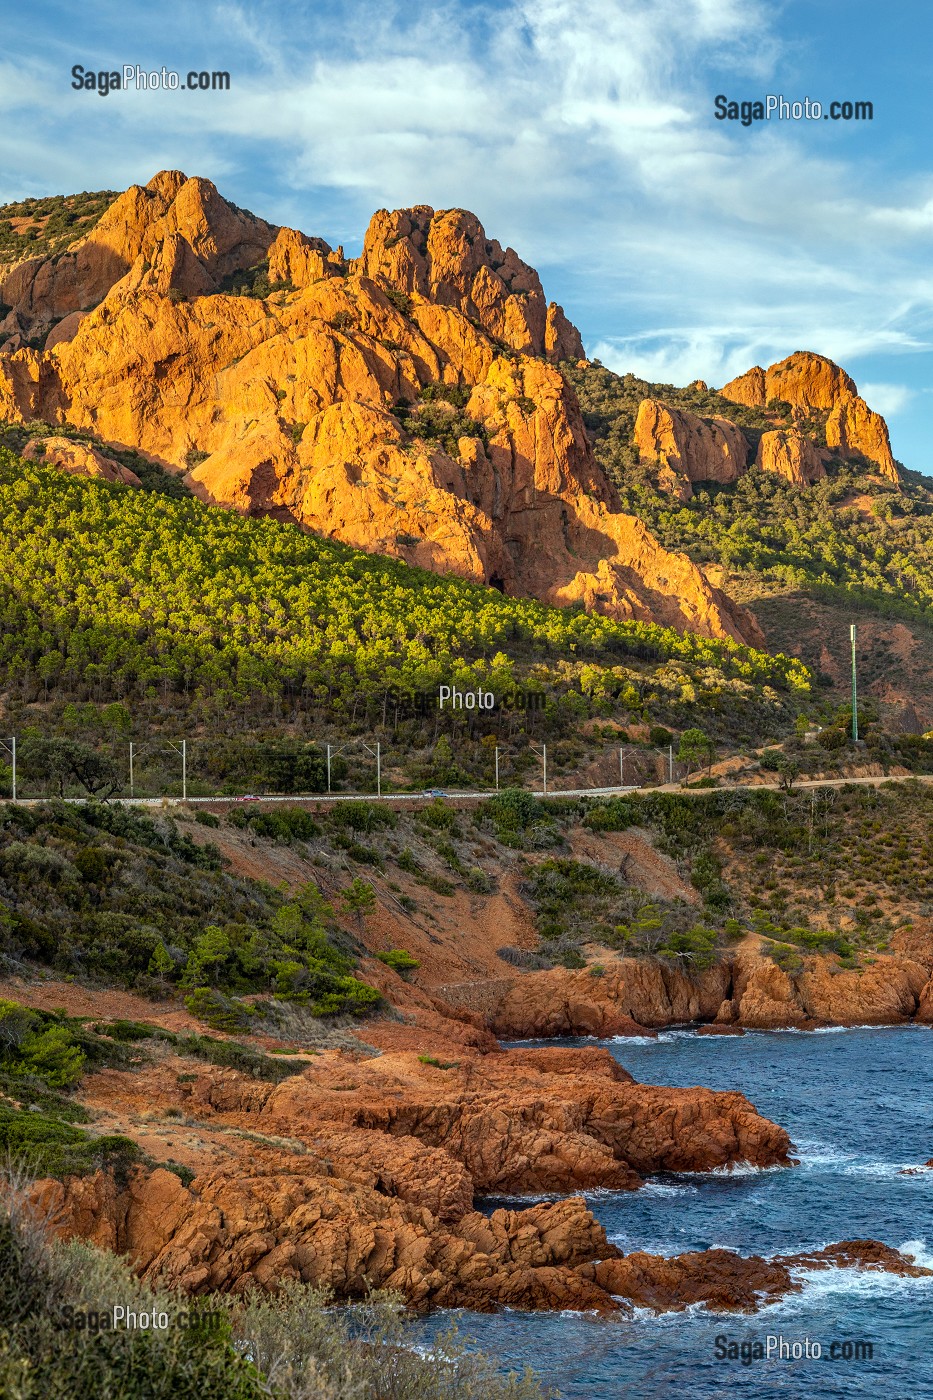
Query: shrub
[[615, 815], [439, 815], [230, 1054], [45, 1146], [360, 815], [513, 810], [399, 960], [695, 947], [221, 1013], [52, 1056], [479, 882], [35, 1044]]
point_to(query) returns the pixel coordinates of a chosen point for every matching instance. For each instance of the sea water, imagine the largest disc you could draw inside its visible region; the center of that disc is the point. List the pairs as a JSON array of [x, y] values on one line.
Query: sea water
[[858, 1105]]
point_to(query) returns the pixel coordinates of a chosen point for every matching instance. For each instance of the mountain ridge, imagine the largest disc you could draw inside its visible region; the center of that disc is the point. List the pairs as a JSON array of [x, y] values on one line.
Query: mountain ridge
[[415, 401]]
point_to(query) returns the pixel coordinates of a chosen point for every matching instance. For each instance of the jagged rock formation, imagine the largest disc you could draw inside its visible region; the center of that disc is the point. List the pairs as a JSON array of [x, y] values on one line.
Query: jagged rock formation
[[371, 1179], [890, 992], [298, 402], [688, 448], [446, 258], [632, 994], [635, 996], [171, 233], [810, 383]]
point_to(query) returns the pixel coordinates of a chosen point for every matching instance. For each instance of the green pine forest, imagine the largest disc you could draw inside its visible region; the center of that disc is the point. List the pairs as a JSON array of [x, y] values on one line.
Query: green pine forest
[[148, 616], [149, 610]]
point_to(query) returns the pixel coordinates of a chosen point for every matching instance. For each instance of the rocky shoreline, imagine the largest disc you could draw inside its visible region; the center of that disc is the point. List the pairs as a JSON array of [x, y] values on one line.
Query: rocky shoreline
[[747, 991], [364, 1173]]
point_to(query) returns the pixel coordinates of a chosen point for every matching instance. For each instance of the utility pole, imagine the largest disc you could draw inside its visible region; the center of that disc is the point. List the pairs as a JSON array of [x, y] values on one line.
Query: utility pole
[[497, 768], [376, 753], [131, 768], [543, 752], [182, 748], [670, 763], [854, 689], [10, 746], [621, 769]]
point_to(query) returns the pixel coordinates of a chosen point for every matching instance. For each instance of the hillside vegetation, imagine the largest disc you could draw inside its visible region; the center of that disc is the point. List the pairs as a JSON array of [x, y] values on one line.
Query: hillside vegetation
[[849, 536], [170, 607], [34, 228]]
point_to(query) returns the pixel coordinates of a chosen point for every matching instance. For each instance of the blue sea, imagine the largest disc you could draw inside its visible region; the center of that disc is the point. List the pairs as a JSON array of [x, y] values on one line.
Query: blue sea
[[858, 1105]]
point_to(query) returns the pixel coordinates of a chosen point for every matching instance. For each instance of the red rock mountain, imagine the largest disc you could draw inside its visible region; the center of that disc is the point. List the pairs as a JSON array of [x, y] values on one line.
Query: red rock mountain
[[408, 402], [810, 382], [684, 448], [294, 402]]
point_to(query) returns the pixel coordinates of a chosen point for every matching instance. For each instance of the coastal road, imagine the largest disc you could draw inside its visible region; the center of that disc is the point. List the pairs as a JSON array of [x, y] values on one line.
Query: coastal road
[[405, 797]]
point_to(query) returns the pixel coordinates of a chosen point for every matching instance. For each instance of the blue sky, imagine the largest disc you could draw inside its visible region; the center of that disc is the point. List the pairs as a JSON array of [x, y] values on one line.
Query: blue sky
[[582, 132]]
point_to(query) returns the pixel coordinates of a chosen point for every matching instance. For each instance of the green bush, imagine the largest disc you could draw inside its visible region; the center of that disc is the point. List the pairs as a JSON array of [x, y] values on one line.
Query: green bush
[[360, 815], [221, 1013], [695, 947], [230, 1054], [439, 815], [617, 814], [399, 960], [46, 1146], [34, 1044], [282, 823], [513, 811]]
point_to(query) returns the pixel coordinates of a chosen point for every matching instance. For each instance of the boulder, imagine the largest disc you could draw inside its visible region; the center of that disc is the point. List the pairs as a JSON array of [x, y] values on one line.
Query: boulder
[[791, 455], [688, 448], [78, 458]]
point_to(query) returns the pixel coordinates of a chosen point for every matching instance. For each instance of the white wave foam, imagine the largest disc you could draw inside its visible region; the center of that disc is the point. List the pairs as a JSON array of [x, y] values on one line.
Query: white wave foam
[[857, 1283], [921, 1254], [667, 1188], [822, 1157], [735, 1169]]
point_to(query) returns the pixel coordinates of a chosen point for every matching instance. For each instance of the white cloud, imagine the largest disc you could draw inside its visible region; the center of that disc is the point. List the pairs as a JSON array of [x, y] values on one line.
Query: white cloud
[[580, 131], [886, 399]]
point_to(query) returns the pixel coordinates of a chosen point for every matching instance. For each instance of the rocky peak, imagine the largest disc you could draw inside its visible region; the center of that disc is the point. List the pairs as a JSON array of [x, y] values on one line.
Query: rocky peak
[[402, 402], [445, 256], [812, 383], [172, 232]]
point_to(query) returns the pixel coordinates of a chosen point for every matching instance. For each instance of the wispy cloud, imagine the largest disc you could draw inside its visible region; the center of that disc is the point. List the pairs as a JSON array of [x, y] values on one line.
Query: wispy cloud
[[580, 131], [887, 399]]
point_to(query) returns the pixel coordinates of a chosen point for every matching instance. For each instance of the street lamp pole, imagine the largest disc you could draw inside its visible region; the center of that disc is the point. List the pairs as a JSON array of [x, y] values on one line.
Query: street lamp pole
[[852, 634]]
